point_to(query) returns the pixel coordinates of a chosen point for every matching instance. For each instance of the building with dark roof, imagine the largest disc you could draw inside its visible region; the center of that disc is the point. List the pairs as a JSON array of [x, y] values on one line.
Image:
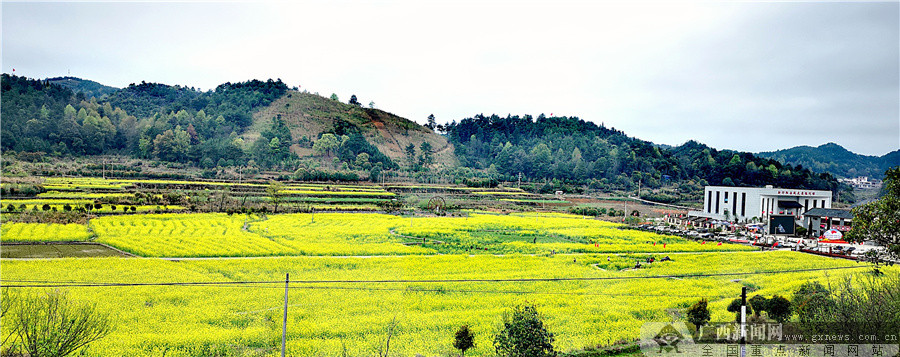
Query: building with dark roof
[[820, 220]]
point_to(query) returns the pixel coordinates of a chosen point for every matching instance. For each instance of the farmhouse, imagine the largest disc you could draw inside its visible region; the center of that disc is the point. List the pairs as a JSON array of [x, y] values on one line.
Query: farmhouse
[[744, 204]]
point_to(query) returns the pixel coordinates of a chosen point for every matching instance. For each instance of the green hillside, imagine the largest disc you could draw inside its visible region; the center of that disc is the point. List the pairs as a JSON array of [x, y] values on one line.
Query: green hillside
[[265, 127], [835, 159], [308, 116], [577, 152], [89, 88]]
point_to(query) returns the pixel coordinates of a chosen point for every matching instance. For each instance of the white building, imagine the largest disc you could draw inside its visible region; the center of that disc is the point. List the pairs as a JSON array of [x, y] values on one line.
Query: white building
[[862, 182], [741, 204]]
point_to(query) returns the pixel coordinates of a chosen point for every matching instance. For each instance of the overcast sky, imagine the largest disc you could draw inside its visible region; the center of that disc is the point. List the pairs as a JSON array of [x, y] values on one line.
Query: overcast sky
[[734, 75]]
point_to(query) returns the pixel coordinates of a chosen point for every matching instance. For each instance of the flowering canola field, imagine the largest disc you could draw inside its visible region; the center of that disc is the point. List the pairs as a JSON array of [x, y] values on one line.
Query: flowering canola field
[[325, 318], [35, 232], [215, 235]]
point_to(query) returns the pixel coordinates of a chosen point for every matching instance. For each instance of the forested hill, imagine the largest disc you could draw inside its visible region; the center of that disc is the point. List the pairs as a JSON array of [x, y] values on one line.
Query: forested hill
[[265, 125], [837, 160], [87, 88], [573, 150], [257, 125], [148, 120]]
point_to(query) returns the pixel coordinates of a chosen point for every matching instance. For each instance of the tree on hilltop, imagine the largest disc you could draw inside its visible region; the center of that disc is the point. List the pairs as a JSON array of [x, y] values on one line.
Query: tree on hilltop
[[431, 122]]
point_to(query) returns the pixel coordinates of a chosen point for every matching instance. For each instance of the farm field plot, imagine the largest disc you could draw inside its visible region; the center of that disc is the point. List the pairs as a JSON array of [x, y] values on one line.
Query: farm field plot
[[55, 250], [82, 195], [211, 235], [537, 233], [60, 204], [324, 318], [43, 232]]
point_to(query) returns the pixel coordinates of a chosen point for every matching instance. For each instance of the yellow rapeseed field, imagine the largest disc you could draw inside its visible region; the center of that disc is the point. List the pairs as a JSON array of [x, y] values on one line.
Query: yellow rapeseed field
[[324, 318]]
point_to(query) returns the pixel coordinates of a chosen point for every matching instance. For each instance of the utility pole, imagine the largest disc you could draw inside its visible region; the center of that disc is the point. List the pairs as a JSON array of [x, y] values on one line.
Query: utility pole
[[284, 326], [743, 320], [639, 188]]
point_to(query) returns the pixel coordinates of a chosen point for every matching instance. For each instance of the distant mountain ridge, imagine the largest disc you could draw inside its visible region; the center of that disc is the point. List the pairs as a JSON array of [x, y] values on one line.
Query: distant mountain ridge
[[89, 88], [835, 159]]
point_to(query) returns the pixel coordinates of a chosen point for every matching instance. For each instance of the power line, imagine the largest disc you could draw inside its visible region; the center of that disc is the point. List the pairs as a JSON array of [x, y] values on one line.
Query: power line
[[495, 291], [57, 284], [474, 291]]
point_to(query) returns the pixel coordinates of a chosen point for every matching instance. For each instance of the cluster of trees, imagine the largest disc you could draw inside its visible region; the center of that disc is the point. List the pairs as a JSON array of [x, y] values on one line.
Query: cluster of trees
[[522, 334], [42, 117], [147, 120], [421, 160], [596, 211], [83, 88], [235, 102], [880, 220], [186, 125], [866, 305], [348, 153], [574, 150]]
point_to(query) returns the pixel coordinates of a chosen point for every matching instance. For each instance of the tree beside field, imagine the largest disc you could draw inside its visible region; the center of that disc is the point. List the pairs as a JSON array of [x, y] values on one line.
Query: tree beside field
[[879, 221], [463, 339], [866, 305], [698, 314], [523, 334]]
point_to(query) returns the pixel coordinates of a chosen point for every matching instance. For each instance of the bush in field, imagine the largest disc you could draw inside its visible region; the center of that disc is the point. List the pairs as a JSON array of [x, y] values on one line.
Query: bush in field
[[811, 301], [735, 307], [523, 334], [759, 304], [698, 314], [463, 339], [779, 309], [867, 305], [50, 324]]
